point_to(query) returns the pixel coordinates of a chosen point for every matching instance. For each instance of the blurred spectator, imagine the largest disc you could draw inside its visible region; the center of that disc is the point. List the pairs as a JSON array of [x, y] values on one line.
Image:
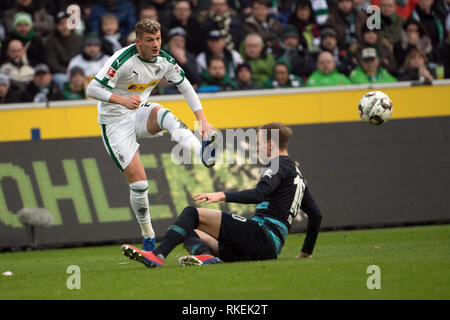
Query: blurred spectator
[[261, 61], [303, 19], [182, 17], [242, 7], [222, 18], [112, 39], [415, 68], [164, 8], [244, 77], [391, 22], [347, 22], [282, 76], [362, 5], [17, 67], [425, 13], [122, 9], [150, 12], [91, 60], [370, 70], [42, 88], [62, 46], [291, 48], [442, 8], [413, 36], [23, 31], [8, 93], [343, 58], [404, 8], [216, 76], [75, 89], [216, 47], [326, 73], [131, 38], [371, 38], [176, 47], [42, 21], [443, 52], [269, 28]]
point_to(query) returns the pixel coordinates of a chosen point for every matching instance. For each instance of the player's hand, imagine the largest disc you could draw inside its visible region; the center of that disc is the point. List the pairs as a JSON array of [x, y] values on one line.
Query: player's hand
[[132, 102], [303, 255], [209, 197], [206, 129]]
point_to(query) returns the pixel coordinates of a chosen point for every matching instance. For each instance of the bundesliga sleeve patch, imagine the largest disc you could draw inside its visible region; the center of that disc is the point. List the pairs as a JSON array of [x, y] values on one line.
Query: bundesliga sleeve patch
[[111, 72]]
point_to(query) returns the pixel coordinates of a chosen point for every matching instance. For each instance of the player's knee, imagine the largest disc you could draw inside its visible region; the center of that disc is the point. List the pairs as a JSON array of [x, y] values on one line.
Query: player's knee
[[191, 212], [139, 187]]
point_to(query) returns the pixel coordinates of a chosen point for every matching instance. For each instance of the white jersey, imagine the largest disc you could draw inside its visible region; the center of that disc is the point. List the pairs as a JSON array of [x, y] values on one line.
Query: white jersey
[[126, 74]]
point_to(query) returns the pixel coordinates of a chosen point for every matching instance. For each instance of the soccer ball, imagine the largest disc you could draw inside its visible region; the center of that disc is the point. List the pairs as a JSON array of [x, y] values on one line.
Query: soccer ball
[[375, 108]]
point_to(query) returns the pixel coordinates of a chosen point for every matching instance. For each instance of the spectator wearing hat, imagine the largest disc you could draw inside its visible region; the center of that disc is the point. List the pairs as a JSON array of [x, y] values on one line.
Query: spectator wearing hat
[[216, 46], [112, 40], [182, 17], [23, 31], [8, 93], [122, 9], [43, 23], [91, 60], [326, 73], [391, 22], [347, 21], [216, 77], [371, 38], [222, 18], [176, 47], [303, 19], [370, 70], [416, 68], [16, 66], [261, 23], [293, 47], [244, 77], [414, 36], [345, 62], [426, 14], [75, 88], [282, 76], [42, 88], [261, 61], [62, 46]]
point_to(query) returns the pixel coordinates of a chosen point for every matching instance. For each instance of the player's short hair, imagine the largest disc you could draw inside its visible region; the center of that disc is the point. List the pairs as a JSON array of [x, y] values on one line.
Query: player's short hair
[[147, 26], [284, 133]]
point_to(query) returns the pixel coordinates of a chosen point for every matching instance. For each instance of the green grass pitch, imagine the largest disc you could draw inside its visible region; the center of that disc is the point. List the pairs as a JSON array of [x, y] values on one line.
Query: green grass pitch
[[414, 263]]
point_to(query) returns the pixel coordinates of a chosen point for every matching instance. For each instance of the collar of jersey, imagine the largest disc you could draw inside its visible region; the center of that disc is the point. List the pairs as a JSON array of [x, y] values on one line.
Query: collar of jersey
[[148, 61]]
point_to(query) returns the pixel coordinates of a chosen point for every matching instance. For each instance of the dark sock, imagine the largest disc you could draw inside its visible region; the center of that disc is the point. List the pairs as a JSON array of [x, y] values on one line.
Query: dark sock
[[194, 245], [178, 232]]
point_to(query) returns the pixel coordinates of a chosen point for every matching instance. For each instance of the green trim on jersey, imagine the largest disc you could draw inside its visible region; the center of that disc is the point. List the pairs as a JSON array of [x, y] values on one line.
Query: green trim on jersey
[[103, 82], [183, 75], [124, 56], [167, 56], [111, 153], [147, 61]]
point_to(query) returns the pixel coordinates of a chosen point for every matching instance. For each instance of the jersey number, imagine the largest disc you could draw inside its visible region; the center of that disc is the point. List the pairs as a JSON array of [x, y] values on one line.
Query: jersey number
[[298, 181]]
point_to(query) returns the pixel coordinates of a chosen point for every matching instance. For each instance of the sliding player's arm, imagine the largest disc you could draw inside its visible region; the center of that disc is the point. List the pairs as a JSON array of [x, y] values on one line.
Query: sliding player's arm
[[311, 209], [266, 185]]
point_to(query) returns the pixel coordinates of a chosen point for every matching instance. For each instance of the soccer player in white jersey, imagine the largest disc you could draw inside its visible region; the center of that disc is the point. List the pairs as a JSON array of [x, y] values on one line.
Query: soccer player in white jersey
[[122, 88]]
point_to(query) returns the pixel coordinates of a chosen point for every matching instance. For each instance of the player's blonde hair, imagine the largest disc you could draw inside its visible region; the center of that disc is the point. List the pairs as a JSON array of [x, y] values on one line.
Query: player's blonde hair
[[147, 26]]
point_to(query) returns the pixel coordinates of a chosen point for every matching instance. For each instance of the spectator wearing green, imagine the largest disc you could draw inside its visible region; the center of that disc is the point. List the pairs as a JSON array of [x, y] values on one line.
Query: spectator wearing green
[[262, 62], [282, 76], [216, 77], [75, 89], [326, 73], [369, 70]]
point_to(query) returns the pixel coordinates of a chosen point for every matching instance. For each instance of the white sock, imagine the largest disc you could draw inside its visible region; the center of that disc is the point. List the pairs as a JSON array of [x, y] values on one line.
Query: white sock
[[140, 205], [179, 131]]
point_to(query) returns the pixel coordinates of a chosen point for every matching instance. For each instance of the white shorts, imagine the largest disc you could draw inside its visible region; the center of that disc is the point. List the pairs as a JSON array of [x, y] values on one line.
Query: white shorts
[[120, 137]]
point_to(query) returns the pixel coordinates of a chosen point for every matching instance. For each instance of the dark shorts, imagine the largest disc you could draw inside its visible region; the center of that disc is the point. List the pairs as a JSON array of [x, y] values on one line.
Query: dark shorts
[[242, 239]]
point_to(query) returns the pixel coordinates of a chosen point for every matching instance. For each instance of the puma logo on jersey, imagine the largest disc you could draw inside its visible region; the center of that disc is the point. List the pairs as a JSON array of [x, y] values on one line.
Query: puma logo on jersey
[[141, 87], [135, 73]]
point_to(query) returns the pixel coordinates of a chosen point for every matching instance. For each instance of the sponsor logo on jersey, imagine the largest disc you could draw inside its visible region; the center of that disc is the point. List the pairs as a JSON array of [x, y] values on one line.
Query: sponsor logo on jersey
[[141, 87], [111, 72]]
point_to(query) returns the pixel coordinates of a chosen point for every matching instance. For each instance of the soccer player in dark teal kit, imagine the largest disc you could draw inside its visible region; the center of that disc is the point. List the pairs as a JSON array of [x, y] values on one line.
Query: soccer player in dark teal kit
[[213, 236]]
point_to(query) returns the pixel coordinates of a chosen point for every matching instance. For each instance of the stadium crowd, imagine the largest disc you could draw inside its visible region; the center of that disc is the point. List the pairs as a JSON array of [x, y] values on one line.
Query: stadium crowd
[[48, 54]]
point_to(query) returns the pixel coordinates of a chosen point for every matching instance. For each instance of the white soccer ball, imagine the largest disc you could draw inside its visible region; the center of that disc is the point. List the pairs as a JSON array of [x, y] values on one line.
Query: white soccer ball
[[375, 107]]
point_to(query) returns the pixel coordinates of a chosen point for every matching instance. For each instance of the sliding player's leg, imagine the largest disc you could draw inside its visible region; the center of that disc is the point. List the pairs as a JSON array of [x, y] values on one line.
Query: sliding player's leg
[[137, 179], [203, 249]]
